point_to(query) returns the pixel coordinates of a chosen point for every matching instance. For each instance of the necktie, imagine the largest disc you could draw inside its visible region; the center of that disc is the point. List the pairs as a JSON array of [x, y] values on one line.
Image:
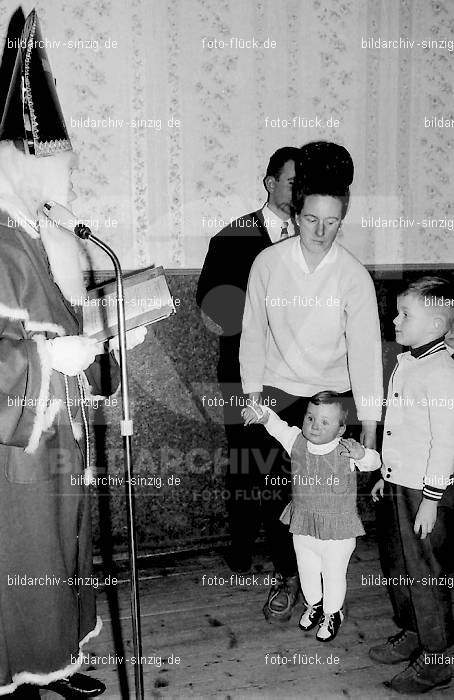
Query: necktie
[[284, 230]]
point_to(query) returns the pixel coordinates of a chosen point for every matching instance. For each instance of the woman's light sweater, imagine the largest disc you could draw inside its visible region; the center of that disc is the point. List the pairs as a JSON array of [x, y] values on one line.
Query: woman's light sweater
[[305, 332]]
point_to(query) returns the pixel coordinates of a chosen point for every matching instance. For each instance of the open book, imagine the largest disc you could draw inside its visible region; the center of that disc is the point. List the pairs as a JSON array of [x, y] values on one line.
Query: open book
[[147, 300]]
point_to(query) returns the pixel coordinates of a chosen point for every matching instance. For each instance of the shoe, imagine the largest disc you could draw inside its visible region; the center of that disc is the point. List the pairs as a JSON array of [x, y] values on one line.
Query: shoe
[[311, 616], [77, 686], [282, 598], [421, 676], [329, 626], [26, 692], [399, 647]]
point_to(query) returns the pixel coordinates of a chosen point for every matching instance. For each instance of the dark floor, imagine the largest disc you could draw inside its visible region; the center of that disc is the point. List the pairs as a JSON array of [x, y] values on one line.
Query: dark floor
[[226, 649]]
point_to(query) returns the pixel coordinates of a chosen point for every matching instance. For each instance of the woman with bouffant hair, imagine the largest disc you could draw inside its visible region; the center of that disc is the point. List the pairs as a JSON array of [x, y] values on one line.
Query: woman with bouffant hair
[[311, 321]]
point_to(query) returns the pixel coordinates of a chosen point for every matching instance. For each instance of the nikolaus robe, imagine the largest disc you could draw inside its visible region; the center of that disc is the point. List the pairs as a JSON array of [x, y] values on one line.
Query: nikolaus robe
[[45, 521]]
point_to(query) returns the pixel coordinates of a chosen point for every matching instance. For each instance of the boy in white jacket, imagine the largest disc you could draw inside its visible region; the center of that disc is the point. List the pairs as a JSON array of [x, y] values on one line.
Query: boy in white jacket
[[418, 459]]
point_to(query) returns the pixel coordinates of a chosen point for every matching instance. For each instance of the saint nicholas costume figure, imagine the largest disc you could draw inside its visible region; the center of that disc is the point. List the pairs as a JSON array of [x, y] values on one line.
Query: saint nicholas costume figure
[[47, 368]]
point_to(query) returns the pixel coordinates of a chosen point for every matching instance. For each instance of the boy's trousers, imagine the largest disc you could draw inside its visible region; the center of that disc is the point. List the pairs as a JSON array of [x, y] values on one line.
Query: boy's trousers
[[420, 598]]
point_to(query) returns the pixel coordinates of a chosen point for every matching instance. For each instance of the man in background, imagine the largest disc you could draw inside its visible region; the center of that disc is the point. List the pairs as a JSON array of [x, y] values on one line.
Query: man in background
[[221, 296]]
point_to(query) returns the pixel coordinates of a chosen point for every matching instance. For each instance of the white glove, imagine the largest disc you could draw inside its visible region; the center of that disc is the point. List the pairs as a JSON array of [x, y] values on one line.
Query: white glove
[[73, 353], [133, 337]]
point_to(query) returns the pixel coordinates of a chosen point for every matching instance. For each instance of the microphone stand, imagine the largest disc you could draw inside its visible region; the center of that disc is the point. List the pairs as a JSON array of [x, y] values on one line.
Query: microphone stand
[[126, 430]]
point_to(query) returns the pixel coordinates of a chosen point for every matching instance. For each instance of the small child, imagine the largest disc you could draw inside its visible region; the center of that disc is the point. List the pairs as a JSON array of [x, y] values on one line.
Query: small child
[[418, 460], [322, 515]]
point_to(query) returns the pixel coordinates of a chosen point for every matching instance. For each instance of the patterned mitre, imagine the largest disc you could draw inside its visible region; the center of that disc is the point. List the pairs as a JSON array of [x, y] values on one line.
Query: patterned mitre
[[32, 116]]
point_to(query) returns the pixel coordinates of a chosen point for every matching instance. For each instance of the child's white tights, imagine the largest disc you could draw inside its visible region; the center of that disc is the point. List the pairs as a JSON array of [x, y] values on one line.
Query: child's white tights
[[325, 560]]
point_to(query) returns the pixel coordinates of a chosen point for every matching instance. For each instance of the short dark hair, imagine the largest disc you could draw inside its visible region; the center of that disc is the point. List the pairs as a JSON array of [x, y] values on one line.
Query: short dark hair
[[429, 286], [435, 292], [323, 398], [279, 159]]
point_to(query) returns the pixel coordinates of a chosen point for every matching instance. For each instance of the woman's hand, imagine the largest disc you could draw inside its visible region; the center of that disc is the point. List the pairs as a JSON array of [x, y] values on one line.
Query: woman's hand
[[254, 414], [368, 436], [254, 398], [377, 491], [425, 517], [352, 448]]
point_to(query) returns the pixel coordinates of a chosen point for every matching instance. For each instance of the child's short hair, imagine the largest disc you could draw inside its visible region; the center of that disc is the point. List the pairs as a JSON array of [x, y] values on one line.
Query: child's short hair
[[436, 293], [331, 397]]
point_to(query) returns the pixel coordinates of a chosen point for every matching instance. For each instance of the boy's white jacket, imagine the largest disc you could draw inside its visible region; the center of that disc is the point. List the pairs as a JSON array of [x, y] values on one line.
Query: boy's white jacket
[[287, 435], [418, 440]]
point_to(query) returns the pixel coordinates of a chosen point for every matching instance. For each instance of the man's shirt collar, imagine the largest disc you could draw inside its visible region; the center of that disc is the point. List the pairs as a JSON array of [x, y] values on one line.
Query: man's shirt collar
[[273, 224]]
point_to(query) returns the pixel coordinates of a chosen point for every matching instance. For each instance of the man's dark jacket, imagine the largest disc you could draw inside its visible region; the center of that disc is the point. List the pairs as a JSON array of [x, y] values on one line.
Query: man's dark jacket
[[223, 281]]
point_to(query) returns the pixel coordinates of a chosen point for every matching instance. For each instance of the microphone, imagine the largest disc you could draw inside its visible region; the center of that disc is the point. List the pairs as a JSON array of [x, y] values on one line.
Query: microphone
[[64, 218]]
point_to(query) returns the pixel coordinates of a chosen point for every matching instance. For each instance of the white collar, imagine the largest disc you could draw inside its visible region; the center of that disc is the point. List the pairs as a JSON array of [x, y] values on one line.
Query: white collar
[[298, 256], [323, 449], [274, 220], [273, 224]]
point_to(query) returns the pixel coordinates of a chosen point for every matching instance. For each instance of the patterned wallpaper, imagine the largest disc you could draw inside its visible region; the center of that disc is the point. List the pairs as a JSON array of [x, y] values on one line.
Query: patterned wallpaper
[[174, 115]]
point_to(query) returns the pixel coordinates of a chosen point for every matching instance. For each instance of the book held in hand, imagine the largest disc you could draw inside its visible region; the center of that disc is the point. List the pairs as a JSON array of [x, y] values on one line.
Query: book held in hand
[[147, 300]]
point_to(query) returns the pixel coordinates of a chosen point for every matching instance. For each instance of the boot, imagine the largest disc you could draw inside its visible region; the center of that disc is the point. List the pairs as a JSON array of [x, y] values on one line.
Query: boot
[[25, 692], [329, 626], [77, 687], [422, 675], [400, 647], [282, 598]]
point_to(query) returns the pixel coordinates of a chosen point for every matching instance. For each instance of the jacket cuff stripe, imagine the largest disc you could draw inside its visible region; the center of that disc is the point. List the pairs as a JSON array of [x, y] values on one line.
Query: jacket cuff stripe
[[432, 493]]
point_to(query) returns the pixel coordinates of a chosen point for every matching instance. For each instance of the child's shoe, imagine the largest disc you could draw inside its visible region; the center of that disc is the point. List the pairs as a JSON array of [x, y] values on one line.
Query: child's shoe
[[399, 647], [329, 626], [311, 616]]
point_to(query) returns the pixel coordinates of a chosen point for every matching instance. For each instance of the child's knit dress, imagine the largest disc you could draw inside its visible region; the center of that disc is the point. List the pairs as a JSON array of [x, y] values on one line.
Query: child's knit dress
[[323, 495]]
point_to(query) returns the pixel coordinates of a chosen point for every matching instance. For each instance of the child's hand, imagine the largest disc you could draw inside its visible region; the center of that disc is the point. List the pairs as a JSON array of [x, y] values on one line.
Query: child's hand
[[377, 491], [352, 448], [254, 414], [425, 517]]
